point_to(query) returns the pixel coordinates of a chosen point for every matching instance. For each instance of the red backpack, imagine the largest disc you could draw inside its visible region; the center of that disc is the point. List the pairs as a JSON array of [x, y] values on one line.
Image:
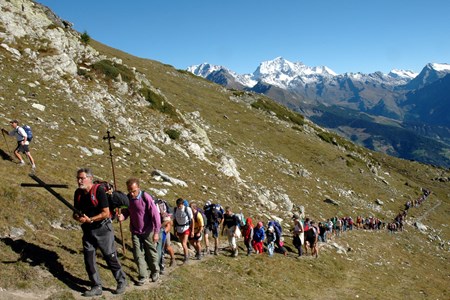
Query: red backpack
[[116, 199]]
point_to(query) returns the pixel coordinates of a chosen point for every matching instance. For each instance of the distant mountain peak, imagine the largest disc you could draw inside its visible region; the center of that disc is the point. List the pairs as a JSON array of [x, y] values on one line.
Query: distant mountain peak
[[205, 69], [407, 74], [439, 67]]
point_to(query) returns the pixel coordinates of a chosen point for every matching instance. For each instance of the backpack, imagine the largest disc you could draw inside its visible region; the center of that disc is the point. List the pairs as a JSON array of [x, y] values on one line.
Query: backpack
[[311, 234], [181, 220], [241, 218], [116, 199], [165, 210], [28, 132], [277, 228], [199, 210], [214, 213]]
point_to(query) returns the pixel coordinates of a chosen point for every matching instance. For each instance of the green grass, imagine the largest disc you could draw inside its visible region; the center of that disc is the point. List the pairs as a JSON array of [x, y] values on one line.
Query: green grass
[[280, 111], [112, 70], [158, 102]]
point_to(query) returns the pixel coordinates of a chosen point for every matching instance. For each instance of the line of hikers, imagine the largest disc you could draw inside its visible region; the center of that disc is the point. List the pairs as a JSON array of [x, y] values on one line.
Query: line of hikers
[[397, 223], [153, 222]]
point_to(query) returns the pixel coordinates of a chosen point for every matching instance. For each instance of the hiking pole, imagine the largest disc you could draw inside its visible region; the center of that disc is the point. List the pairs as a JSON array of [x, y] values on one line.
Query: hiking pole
[[6, 141], [110, 137]]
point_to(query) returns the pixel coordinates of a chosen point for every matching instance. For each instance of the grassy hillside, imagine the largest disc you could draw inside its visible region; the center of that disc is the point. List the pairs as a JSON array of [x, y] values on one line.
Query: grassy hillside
[[277, 154]]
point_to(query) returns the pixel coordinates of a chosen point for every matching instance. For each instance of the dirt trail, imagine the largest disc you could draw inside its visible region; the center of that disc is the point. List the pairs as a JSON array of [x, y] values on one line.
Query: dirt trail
[[425, 214]]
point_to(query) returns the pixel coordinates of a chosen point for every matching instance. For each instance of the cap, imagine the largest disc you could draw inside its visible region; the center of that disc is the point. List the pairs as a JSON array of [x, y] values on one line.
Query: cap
[[208, 202]]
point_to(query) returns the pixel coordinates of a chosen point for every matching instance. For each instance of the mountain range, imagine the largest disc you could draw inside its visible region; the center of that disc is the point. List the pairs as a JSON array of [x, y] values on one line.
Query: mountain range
[[401, 113]]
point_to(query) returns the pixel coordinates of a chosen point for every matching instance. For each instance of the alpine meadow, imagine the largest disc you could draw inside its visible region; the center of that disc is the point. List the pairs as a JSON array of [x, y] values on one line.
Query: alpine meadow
[[186, 137]]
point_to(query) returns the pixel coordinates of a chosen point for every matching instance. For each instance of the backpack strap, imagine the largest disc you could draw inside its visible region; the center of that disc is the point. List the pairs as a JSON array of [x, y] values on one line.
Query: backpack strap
[[93, 194]]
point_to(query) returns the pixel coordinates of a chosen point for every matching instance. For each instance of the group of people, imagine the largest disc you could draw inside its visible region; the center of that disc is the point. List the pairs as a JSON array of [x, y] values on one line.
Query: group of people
[[152, 225], [149, 231], [398, 222]]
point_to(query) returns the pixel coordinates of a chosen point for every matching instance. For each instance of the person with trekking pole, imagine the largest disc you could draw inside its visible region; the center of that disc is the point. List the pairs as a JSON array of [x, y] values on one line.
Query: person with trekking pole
[[145, 227], [22, 143]]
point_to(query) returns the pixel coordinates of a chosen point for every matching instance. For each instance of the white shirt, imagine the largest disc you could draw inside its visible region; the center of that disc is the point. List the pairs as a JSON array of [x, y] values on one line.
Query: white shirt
[[20, 134]]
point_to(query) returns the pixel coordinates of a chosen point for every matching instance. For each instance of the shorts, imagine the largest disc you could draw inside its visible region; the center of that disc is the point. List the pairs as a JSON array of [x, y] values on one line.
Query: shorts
[[22, 148], [186, 232], [196, 238], [212, 228], [311, 242], [166, 240]]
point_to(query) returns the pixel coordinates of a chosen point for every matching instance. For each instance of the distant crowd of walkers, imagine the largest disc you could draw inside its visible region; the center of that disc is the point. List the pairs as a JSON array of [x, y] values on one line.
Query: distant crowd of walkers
[[153, 223]]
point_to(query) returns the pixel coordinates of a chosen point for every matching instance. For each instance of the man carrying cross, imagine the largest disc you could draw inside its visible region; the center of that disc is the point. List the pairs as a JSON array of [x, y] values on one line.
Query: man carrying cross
[[98, 232]]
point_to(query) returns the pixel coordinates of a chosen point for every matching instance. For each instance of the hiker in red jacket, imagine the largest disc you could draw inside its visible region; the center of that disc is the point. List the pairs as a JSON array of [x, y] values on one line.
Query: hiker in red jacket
[[247, 232]]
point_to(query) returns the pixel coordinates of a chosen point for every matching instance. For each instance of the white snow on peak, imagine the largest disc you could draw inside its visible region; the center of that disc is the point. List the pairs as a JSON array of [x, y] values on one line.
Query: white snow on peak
[[396, 73], [204, 69], [285, 74], [440, 67], [282, 73]]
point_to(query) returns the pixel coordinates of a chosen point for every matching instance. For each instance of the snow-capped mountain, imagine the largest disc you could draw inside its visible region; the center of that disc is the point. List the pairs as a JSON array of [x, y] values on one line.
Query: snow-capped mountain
[[357, 105], [284, 74], [211, 73], [296, 83], [429, 74]]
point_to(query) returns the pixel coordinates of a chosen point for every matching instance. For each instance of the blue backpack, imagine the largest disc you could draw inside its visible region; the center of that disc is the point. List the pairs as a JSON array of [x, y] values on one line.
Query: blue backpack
[[276, 227], [28, 132]]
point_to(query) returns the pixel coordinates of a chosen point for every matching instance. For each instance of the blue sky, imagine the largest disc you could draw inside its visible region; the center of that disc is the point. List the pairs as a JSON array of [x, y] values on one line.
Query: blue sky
[[344, 35]]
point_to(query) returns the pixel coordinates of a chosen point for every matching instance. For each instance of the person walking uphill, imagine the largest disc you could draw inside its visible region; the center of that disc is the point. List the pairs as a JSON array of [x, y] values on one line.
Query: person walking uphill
[[247, 232], [22, 143], [231, 222], [98, 232], [145, 224], [184, 225]]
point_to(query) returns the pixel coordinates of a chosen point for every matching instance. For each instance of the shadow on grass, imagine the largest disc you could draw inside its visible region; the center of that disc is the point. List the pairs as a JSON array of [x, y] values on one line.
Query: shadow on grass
[[5, 156], [35, 256]]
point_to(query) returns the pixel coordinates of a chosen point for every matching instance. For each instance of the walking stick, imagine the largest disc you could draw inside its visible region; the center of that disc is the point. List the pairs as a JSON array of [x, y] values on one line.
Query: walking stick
[[7, 146], [109, 138]]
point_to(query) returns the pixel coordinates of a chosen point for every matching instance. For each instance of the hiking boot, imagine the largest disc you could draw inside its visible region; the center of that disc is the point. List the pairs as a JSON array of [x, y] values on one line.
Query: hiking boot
[[22, 163], [186, 259], [141, 281], [162, 270], [216, 251], [155, 277], [33, 167], [207, 251], [198, 256], [235, 252], [121, 286], [94, 291], [172, 262]]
